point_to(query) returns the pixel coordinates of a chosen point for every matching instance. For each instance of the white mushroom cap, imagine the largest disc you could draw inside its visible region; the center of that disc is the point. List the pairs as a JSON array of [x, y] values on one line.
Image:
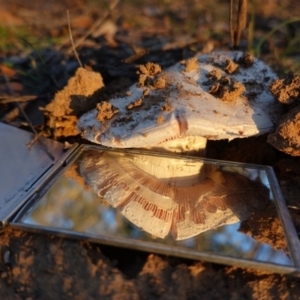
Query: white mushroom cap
[[185, 103]]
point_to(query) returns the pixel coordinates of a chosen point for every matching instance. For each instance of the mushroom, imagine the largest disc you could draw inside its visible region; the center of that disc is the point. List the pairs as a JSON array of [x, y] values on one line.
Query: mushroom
[[222, 95]]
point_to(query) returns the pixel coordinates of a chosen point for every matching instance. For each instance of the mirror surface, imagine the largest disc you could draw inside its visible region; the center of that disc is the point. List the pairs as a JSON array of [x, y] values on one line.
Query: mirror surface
[[180, 202]]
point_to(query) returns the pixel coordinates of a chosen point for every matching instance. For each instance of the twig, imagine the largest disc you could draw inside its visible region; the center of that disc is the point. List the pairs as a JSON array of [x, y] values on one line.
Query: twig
[[95, 26], [231, 25], [251, 26], [37, 137], [12, 114], [135, 56], [241, 22], [10, 99], [72, 41]]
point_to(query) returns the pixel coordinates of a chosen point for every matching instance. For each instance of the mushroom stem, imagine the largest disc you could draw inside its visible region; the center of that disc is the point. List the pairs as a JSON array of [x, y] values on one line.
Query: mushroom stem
[[188, 145]]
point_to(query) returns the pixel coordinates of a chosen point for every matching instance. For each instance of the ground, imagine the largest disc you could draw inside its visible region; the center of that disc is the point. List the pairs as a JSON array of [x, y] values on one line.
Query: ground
[[37, 59]]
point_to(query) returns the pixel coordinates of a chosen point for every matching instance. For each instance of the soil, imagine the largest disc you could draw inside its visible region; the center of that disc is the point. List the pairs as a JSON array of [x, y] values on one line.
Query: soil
[[62, 112], [286, 138], [227, 90], [191, 65], [106, 111], [286, 90], [40, 266], [265, 226]]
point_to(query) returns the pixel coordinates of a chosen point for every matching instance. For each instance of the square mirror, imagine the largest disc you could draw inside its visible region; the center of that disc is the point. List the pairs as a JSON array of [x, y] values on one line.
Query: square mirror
[[190, 207]]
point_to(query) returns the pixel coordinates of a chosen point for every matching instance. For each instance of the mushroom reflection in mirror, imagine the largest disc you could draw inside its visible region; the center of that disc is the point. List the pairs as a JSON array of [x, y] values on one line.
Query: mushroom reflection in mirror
[[164, 194]]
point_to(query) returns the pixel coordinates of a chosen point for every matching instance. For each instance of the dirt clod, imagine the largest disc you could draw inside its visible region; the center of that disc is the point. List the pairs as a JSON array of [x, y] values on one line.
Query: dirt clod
[[231, 67], [70, 100], [142, 80], [160, 119], [106, 111], [231, 92], [215, 74], [135, 103], [148, 76], [214, 88], [146, 92], [149, 69], [191, 65], [62, 112], [247, 60], [160, 83], [286, 138], [226, 89], [286, 90], [264, 226], [167, 107]]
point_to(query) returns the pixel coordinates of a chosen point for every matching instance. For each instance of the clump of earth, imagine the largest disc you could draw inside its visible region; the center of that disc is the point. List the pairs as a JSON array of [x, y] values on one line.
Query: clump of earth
[[286, 137], [62, 112]]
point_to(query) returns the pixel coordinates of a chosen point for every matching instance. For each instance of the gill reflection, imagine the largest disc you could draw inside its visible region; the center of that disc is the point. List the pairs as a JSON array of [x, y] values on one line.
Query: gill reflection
[[163, 194], [71, 204]]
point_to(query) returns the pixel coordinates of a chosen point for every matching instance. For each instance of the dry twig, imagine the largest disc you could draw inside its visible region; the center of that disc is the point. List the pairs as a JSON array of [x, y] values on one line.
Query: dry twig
[[10, 99], [241, 21], [72, 41], [37, 137], [94, 27]]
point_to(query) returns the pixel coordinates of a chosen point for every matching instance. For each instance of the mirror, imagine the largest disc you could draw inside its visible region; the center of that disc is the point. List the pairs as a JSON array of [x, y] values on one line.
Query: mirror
[[184, 202]]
